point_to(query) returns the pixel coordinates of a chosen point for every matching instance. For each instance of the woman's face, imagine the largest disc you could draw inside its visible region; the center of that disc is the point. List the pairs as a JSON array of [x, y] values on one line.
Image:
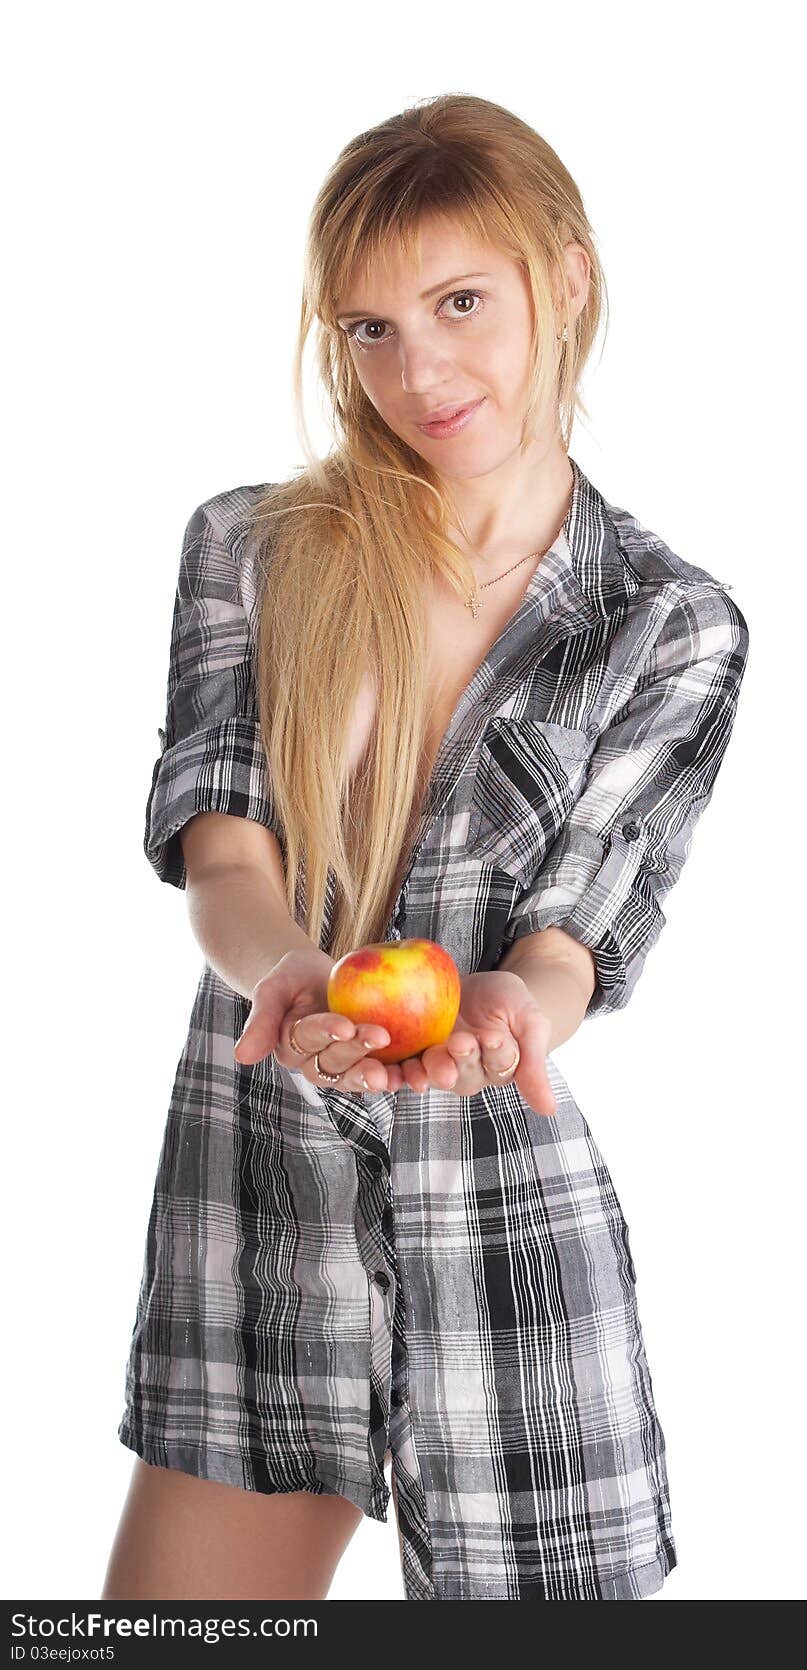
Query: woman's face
[[455, 331]]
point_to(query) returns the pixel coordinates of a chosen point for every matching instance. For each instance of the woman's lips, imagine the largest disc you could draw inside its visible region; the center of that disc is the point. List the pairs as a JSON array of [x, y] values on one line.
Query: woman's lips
[[452, 425]]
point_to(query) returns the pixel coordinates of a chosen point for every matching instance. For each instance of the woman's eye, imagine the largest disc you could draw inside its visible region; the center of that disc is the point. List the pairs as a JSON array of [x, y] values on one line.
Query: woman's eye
[[352, 330], [378, 324], [465, 295]]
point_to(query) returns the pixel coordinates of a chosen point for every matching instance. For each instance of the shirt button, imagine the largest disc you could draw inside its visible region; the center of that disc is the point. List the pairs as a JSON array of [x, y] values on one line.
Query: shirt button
[[381, 1279], [630, 831]]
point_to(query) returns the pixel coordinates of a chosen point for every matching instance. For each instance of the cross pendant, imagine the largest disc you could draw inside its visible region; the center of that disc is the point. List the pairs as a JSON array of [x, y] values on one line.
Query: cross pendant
[[474, 605]]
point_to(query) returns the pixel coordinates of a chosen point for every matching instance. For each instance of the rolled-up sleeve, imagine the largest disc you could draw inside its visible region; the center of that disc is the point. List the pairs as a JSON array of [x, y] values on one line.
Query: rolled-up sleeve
[[650, 777], [211, 755]]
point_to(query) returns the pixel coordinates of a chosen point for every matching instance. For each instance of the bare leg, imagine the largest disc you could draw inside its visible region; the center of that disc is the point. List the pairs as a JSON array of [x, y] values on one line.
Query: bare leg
[[184, 1538]]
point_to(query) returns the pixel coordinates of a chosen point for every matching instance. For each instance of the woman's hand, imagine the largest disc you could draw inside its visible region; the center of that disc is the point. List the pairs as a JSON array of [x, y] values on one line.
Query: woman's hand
[[496, 1014], [297, 987]]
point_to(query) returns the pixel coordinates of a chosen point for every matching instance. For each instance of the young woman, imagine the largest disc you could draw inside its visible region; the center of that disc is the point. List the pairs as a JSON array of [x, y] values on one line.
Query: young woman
[[435, 686]]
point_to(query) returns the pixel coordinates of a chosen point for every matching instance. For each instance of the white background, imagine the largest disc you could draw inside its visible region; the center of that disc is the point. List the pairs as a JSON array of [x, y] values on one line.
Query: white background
[[161, 161]]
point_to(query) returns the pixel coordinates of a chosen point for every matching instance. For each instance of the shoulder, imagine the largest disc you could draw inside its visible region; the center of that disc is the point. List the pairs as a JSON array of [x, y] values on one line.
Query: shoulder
[[651, 558], [218, 557], [228, 514], [678, 592]]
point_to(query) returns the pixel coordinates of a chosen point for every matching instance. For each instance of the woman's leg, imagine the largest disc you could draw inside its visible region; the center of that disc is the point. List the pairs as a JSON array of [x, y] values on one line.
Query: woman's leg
[[184, 1538]]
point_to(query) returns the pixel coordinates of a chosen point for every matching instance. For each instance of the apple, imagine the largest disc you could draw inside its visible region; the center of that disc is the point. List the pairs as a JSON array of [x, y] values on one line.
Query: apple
[[410, 986]]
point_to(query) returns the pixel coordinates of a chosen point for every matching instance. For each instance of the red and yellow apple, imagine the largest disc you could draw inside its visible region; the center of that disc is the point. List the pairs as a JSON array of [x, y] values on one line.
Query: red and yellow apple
[[410, 986]]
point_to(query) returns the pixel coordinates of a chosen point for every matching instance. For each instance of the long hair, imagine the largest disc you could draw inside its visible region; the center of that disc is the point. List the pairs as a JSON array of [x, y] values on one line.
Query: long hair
[[347, 547]]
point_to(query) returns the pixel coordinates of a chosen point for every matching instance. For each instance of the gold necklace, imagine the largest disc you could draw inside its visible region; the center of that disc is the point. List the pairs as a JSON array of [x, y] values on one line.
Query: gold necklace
[[474, 604]]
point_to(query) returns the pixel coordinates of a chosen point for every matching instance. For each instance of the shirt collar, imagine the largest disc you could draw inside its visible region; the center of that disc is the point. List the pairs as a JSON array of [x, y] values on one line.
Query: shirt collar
[[601, 578], [581, 580]]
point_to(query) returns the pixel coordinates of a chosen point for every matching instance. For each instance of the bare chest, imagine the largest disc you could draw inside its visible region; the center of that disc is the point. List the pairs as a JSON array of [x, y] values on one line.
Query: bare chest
[[457, 645]]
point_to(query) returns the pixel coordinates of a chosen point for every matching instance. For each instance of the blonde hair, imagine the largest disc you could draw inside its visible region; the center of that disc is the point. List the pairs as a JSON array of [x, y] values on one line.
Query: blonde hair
[[346, 547]]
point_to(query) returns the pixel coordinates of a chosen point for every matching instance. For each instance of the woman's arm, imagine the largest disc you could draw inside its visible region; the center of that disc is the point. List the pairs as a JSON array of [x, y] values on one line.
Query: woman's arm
[[242, 924], [559, 973], [650, 777]]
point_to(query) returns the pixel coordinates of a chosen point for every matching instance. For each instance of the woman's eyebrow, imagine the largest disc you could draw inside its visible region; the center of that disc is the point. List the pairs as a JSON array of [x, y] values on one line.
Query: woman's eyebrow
[[460, 278]]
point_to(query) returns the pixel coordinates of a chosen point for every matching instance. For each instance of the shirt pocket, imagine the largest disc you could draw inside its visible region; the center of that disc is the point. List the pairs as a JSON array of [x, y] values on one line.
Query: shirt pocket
[[529, 775]]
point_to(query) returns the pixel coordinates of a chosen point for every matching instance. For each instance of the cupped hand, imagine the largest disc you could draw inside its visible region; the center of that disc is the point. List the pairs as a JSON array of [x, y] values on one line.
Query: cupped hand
[[296, 990], [497, 1015]]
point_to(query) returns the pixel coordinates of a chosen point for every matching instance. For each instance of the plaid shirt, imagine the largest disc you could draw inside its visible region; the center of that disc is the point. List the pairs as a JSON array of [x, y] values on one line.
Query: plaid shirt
[[329, 1276]]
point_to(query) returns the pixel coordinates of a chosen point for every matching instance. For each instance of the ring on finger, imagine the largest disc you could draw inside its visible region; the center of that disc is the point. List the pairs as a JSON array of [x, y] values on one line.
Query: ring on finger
[[292, 1045], [329, 1077], [506, 1071]]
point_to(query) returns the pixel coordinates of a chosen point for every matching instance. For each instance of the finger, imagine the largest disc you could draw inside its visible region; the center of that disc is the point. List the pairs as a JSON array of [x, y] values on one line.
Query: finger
[[359, 1069], [270, 1024], [381, 1076], [344, 1055], [371, 1074], [463, 1039], [498, 1049], [532, 1029], [316, 1031], [323, 1031], [373, 1037], [463, 1049], [356, 1075], [441, 1069], [261, 1033], [466, 1079], [415, 1074]]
